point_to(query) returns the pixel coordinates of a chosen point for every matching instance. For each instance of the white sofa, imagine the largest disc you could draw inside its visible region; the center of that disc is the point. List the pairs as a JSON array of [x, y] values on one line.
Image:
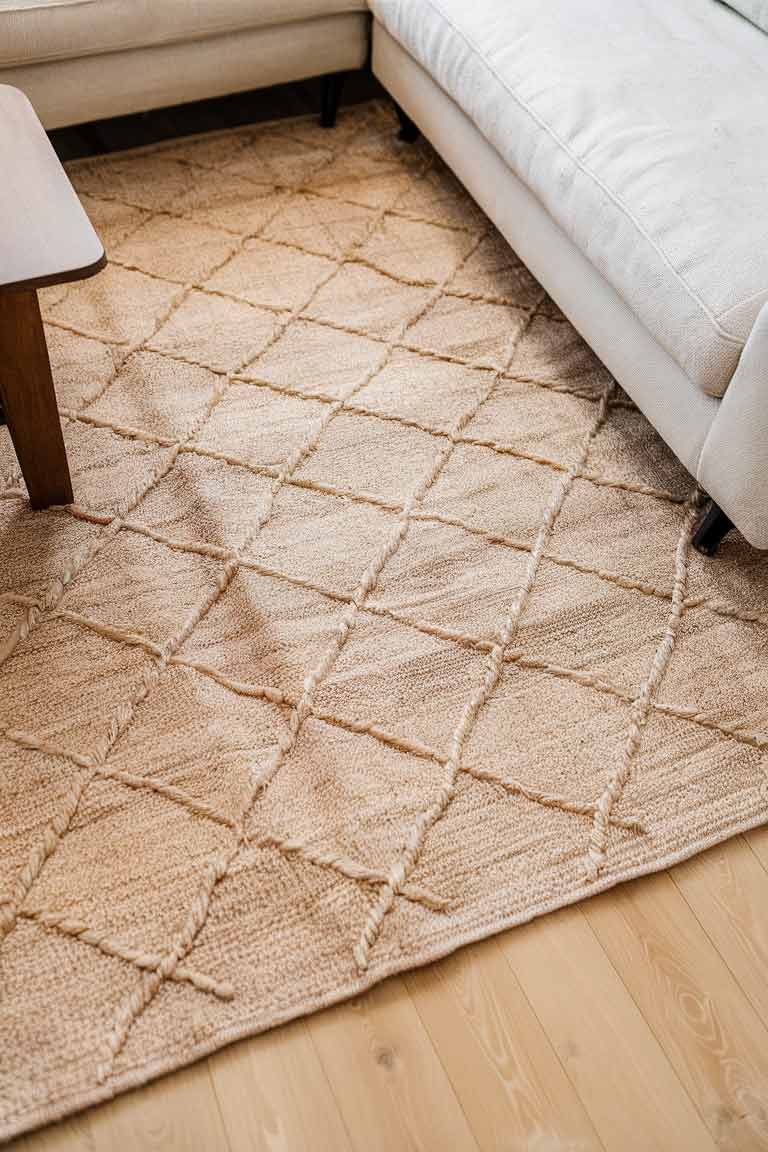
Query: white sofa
[[621, 148], [81, 60]]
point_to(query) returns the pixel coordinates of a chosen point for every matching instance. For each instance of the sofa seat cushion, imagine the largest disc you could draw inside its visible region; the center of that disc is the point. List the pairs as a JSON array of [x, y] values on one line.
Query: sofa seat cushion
[[32, 31], [641, 125]]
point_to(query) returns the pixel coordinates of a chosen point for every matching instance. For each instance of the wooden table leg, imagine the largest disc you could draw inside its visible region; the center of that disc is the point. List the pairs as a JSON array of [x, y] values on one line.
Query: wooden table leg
[[26, 390]]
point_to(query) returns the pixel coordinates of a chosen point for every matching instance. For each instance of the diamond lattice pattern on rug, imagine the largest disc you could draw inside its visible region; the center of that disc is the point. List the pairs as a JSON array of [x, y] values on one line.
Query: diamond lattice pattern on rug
[[374, 628]]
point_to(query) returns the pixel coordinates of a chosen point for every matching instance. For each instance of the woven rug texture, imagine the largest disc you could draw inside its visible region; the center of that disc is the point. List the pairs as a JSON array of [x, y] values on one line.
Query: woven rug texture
[[374, 627]]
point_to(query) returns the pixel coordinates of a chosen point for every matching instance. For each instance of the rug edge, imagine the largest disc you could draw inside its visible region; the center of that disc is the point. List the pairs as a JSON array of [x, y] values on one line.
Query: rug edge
[[139, 1077]]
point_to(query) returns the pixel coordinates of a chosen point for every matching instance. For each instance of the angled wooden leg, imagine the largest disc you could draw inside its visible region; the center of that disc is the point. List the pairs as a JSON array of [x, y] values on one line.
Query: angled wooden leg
[[332, 86], [29, 401], [713, 525]]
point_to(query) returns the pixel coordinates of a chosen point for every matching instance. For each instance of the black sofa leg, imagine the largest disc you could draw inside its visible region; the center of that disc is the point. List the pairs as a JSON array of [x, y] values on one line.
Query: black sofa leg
[[332, 86], [712, 527], [408, 130]]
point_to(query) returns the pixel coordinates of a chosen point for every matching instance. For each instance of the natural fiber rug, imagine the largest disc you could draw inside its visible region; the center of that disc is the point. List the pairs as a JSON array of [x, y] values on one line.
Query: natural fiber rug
[[374, 628]]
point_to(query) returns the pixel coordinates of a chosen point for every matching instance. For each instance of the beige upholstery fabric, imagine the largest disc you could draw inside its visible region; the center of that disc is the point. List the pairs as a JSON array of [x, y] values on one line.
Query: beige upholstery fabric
[[653, 161], [113, 84], [33, 31], [375, 628]]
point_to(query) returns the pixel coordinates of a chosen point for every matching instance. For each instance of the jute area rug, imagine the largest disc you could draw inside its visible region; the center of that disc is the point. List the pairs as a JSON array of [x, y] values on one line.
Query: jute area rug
[[374, 628]]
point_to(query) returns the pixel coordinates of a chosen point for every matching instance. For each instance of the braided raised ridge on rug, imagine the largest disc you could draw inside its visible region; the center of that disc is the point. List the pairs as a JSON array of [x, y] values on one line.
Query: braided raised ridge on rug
[[374, 628]]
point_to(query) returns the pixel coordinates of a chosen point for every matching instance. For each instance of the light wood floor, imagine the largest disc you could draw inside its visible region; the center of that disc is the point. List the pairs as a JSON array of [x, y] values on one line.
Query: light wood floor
[[634, 1021]]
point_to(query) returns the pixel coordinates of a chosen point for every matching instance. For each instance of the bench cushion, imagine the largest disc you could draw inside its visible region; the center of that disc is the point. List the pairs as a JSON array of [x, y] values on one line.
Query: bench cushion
[[32, 31], [641, 126]]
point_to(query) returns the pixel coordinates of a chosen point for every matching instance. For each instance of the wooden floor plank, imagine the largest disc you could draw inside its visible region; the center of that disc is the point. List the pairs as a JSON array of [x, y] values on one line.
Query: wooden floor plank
[[626, 1083], [708, 1029], [275, 1097], [506, 1074], [393, 1091], [727, 889]]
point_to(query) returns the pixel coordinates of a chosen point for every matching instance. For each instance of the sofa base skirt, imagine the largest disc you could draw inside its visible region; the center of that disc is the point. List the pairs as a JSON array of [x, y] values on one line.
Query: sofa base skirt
[[677, 407], [116, 83]]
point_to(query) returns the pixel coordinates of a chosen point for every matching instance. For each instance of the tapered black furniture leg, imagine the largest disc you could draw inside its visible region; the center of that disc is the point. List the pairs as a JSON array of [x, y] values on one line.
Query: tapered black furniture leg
[[712, 527], [332, 86], [408, 130]]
